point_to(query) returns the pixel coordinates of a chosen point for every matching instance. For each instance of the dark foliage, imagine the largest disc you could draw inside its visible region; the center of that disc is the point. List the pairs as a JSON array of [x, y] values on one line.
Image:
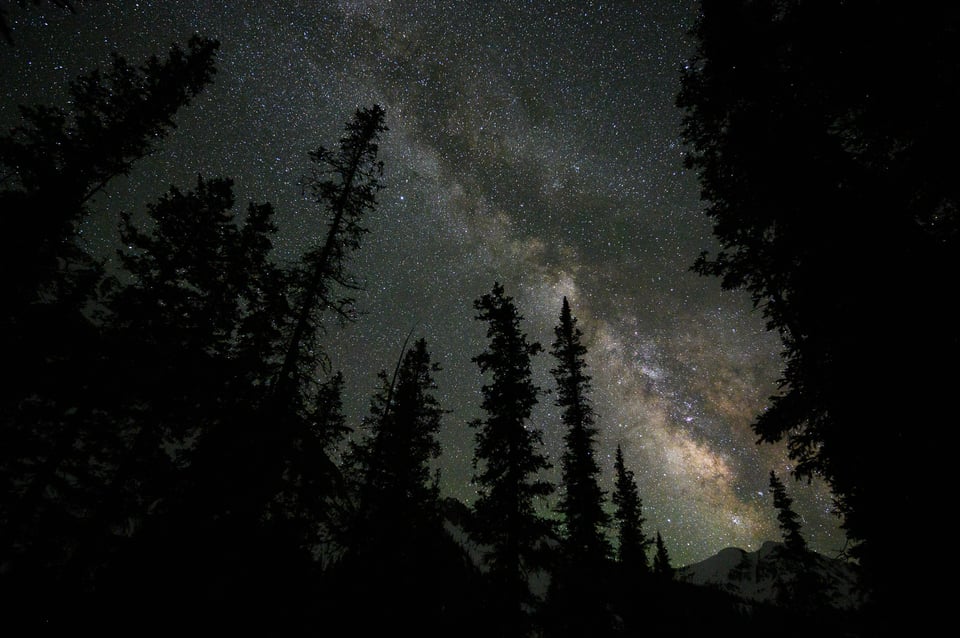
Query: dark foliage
[[508, 465], [63, 443], [344, 182], [817, 131], [392, 463], [802, 590], [396, 550], [788, 519], [578, 586], [632, 543], [662, 568], [258, 478]]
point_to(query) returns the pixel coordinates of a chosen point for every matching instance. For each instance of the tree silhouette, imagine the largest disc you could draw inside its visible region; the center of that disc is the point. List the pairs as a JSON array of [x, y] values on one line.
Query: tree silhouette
[[60, 444], [57, 160], [397, 551], [195, 323], [393, 462], [578, 583], [834, 210], [788, 519], [344, 183], [661, 560], [800, 586], [581, 500], [194, 284], [507, 464], [261, 481], [632, 543]]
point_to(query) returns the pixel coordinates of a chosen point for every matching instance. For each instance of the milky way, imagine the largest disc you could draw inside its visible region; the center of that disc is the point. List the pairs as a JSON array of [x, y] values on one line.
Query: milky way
[[531, 143]]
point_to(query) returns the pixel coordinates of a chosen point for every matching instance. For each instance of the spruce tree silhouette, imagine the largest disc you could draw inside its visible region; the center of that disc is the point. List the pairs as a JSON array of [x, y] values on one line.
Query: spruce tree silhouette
[[632, 543], [184, 325], [662, 568], [801, 588], [398, 556], [264, 473], [632, 570], [507, 465], [788, 519], [579, 581]]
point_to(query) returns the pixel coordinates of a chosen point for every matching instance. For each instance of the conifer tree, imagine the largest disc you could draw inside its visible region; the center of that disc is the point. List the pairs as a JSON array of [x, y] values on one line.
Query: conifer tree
[[393, 462], [248, 460], [508, 463], [60, 443], [344, 182], [631, 542], [257, 467], [395, 543], [799, 585], [581, 500], [57, 160], [661, 560], [812, 162], [788, 519], [201, 322], [299, 511], [177, 324], [578, 582]]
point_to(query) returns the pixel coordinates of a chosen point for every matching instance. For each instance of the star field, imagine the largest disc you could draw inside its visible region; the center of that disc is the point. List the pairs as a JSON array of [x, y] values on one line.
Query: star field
[[531, 143]]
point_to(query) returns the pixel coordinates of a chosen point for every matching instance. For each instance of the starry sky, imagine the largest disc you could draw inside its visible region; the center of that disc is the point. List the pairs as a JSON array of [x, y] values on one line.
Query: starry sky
[[534, 143]]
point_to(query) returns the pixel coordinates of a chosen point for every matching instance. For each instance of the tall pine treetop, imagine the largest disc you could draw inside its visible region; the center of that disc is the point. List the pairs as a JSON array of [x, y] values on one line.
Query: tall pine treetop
[[508, 464], [632, 543], [581, 501], [661, 560], [788, 519]]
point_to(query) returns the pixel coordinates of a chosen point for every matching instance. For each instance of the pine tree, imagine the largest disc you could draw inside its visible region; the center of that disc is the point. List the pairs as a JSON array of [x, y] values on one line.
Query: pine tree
[[246, 472], [578, 582], [244, 464], [344, 183], [799, 585], [508, 463], [661, 560], [61, 441], [581, 501], [184, 321], [631, 542], [393, 462], [195, 322], [396, 546], [632, 568], [815, 167], [299, 510], [788, 519], [57, 160]]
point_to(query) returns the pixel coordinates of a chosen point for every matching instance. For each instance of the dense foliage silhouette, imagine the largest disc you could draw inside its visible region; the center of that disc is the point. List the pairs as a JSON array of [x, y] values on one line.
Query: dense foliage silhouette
[[508, 462], [578, 595], [817, 132]]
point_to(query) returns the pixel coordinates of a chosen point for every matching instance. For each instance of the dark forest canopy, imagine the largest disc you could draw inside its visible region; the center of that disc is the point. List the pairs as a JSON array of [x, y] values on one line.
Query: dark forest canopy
[[822, 137]]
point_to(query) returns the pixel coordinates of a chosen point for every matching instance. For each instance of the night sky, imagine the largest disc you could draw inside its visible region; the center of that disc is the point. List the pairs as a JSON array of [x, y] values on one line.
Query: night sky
[[531, 143]]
